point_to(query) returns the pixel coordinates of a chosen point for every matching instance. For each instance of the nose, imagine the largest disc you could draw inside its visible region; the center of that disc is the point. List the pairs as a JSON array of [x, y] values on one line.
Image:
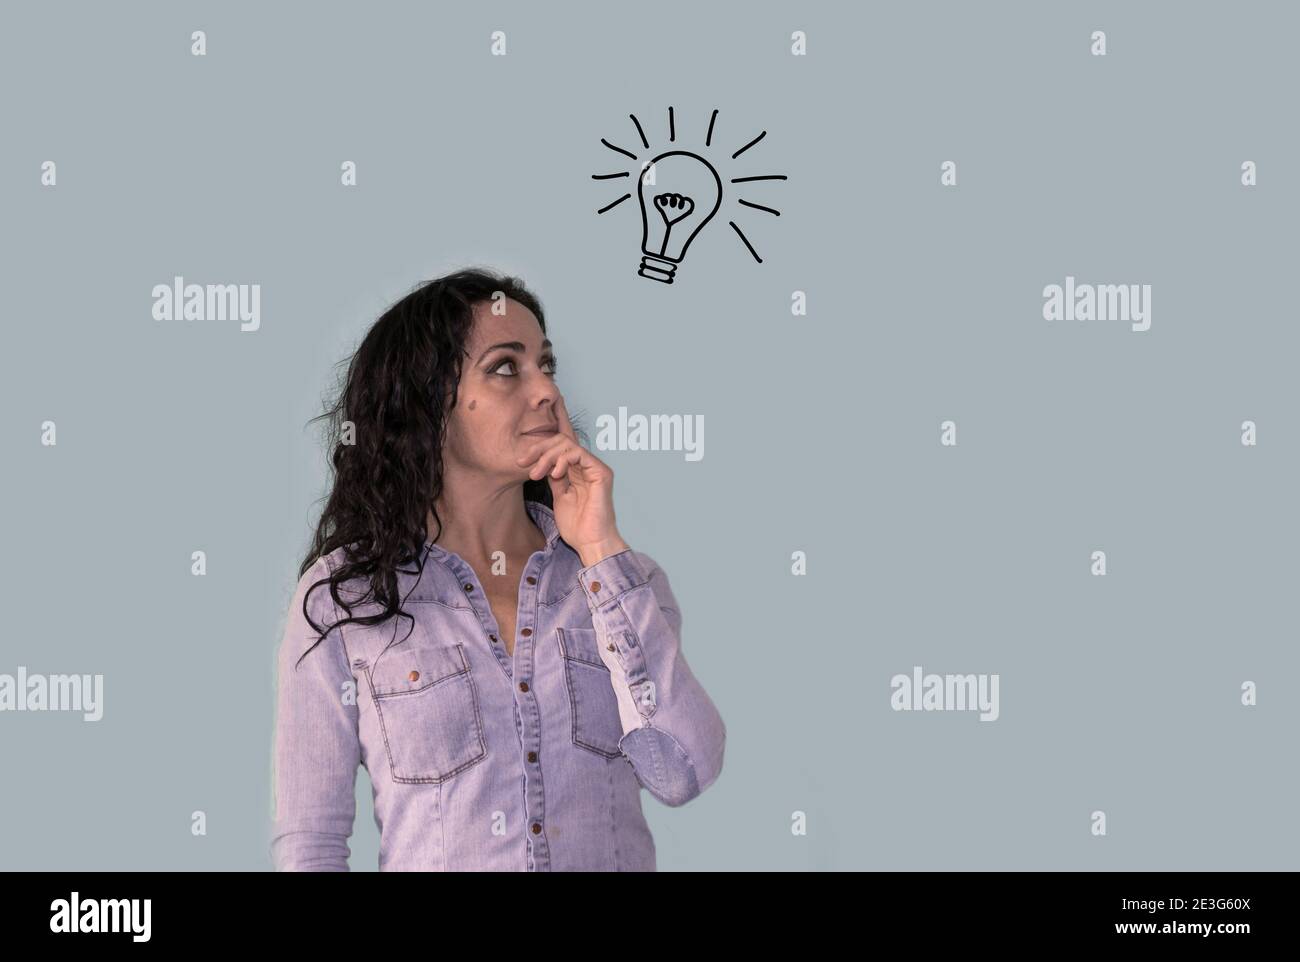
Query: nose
[[545, 390]]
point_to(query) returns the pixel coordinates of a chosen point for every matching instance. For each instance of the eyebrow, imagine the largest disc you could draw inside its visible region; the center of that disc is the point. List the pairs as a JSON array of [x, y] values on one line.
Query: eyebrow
[[513, 346]]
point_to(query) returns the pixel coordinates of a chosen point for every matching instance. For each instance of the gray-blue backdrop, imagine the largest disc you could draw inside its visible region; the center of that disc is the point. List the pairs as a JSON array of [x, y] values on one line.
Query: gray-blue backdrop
[[1127, 693]]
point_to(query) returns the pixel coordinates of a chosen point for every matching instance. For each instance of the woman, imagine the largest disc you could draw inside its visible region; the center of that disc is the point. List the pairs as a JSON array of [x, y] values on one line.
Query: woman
[[470, 624]]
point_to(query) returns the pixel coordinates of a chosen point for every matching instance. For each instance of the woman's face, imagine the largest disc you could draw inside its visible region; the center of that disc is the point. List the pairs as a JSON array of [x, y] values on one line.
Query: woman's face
[[507, 387]]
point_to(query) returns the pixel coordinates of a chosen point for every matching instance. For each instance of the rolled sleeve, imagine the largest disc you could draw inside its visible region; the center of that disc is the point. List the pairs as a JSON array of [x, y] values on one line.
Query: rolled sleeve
[[673, 734]]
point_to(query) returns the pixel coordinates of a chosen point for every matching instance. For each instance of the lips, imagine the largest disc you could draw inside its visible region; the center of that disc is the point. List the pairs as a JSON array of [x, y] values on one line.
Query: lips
[[547, 429]]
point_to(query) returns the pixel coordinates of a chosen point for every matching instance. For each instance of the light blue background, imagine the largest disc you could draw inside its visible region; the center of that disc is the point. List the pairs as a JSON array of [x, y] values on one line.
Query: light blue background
[[1118, 693]]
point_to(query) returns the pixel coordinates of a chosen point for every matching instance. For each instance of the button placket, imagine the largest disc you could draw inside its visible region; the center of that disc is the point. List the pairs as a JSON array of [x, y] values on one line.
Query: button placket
[[526, 610], [474, 592], [534, 801]]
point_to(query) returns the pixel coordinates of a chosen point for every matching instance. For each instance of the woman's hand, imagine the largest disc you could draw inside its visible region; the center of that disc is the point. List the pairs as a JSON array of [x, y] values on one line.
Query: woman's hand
[[582, 489]]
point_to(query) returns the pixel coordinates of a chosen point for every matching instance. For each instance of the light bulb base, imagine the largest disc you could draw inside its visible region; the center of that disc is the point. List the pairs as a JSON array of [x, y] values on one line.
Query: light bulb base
[[657, 269]]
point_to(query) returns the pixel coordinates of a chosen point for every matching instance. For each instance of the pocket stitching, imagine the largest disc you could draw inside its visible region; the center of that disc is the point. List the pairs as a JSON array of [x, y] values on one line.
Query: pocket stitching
[[376, 699], [570, 687], [429, 684], [564, 648]]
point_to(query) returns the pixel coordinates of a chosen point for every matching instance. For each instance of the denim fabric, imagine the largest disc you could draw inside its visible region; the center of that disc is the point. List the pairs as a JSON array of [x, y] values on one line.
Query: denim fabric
[[480, 761]]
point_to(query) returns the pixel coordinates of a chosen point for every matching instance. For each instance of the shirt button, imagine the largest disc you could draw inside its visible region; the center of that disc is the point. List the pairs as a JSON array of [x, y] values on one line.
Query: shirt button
[[526, 632], [493, 637], [532, 580], [523, 686], [595, 586], [610, 647], [532, 756], [469, 587], [414, 676], [537, 829]]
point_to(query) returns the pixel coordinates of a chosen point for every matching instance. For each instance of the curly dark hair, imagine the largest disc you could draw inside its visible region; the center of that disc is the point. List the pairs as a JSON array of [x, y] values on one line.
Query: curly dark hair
[[399, 386]]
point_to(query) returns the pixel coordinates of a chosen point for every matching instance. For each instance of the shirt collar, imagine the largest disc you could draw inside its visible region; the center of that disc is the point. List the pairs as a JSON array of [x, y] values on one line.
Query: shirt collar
[[545, 519]]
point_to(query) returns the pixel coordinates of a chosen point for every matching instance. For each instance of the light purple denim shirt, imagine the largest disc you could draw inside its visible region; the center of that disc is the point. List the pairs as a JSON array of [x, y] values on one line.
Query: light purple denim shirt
[[480, 761]]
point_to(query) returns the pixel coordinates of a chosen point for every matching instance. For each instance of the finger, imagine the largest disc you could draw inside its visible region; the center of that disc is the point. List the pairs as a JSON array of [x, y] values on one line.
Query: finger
[[547, 458], [538, 468], [566, 426], [560, 486], [534, 447], [571, 460], [565, 460]]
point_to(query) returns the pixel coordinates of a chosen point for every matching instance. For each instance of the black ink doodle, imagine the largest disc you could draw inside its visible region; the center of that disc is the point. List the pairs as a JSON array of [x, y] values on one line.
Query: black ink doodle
[[673, 212]]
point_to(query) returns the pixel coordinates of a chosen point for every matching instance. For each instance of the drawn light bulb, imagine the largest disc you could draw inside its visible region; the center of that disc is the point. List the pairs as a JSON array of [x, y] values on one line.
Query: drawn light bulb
[[679, 193]]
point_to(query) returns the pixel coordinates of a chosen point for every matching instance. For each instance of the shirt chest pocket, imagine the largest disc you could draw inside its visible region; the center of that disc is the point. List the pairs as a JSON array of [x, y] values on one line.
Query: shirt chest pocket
[[428, 712], [593, 707]]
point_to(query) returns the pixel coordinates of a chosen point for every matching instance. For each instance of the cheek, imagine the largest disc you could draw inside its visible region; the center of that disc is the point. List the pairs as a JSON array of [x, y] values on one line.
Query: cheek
[[483, 427]]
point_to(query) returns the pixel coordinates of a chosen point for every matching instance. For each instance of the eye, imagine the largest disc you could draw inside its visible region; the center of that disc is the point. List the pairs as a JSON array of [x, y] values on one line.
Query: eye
[[496, 368]]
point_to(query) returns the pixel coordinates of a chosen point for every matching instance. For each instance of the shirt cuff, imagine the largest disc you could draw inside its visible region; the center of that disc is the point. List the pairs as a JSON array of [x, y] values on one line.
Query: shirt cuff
[[610, 577]]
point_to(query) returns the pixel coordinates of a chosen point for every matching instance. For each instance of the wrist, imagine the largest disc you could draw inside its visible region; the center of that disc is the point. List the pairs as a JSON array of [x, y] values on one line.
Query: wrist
[[598, 551]]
